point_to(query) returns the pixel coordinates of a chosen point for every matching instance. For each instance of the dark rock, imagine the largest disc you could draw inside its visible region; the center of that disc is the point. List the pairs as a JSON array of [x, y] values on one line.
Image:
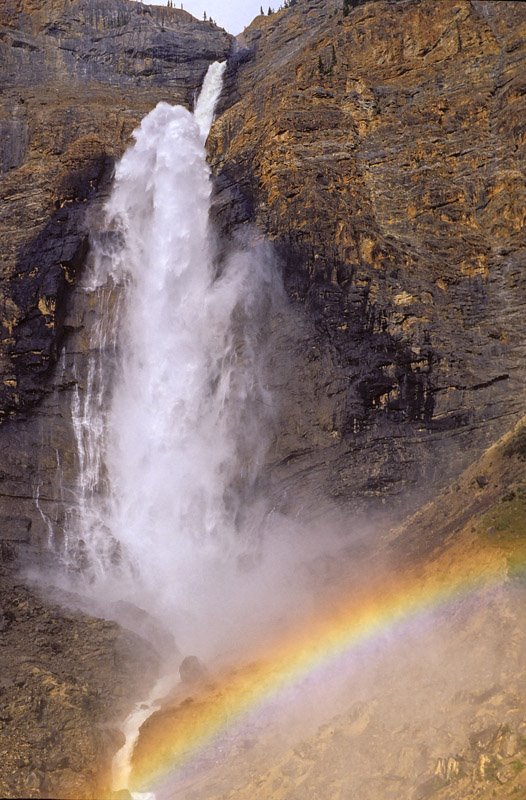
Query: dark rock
[[192, 671], [15, 529], [361, 159]]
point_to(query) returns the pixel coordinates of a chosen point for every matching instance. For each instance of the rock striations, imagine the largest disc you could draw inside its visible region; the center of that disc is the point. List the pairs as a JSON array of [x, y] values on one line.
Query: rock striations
[[381, 148], [383, 152], [76, 77]]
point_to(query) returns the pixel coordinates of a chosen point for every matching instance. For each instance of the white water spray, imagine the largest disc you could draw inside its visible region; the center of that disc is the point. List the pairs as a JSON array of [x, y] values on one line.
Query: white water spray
[[173, 420], [170, 444]]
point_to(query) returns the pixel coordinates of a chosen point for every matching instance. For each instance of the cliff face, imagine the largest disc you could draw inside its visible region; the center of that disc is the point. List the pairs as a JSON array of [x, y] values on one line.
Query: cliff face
[[77, 77], [383, 152]]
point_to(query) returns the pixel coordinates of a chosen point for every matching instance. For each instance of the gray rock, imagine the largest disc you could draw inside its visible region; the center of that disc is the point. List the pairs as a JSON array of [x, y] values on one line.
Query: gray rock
[[192, 671], [76, 79], [15, 529]]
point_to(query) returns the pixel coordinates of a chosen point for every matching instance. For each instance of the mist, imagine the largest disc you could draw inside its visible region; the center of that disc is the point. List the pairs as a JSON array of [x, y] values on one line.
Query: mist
[[173, 532]]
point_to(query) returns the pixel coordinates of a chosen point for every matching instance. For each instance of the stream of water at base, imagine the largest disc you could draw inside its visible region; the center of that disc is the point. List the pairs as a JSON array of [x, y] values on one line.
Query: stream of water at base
[[166, 437]]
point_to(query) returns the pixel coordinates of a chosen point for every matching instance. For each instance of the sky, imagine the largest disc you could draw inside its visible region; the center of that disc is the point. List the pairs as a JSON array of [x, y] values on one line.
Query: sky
[[233, 15]]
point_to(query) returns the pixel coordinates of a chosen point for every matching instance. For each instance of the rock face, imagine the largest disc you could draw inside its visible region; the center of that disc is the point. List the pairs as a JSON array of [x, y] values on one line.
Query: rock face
[[66, 681], [383, 152], [77, 77]]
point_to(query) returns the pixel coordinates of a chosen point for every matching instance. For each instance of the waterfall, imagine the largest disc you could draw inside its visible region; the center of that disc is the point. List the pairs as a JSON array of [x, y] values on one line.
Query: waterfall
[[170, 425]]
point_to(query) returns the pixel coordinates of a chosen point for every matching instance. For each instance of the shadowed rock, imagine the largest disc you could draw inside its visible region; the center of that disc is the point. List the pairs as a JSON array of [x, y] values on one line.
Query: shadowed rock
[[192, 671], [382, 152]]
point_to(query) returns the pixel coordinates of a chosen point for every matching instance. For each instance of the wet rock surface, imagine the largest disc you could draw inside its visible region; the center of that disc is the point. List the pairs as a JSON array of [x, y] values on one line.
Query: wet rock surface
[[66, 682], [382, 152], [76, 80]]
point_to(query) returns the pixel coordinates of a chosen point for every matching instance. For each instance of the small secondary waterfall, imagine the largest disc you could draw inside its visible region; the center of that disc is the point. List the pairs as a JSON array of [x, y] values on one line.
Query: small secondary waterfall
[[169, 426]]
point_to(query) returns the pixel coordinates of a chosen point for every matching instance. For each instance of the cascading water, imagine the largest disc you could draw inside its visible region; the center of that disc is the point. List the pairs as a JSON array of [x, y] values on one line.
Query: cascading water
[[169, 533], [167, 426]]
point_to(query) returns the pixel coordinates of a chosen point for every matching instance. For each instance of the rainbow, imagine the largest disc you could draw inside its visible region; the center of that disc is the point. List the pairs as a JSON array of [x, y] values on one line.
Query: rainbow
[[180, 735]]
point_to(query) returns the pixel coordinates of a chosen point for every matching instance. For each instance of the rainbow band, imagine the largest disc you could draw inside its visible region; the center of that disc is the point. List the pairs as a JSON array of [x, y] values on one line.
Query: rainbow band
[[182, 734]]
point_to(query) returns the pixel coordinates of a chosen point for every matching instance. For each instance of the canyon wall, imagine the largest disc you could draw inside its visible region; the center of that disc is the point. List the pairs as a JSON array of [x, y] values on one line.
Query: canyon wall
[[382, 152]]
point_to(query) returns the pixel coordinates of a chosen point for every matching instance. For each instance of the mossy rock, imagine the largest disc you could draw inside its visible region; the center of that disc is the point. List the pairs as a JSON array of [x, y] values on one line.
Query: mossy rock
[[505, 523]]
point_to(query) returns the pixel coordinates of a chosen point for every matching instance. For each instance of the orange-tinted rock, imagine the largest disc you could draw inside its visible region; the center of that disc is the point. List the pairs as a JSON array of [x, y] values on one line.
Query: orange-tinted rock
[[383, 152], [77, 77]]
